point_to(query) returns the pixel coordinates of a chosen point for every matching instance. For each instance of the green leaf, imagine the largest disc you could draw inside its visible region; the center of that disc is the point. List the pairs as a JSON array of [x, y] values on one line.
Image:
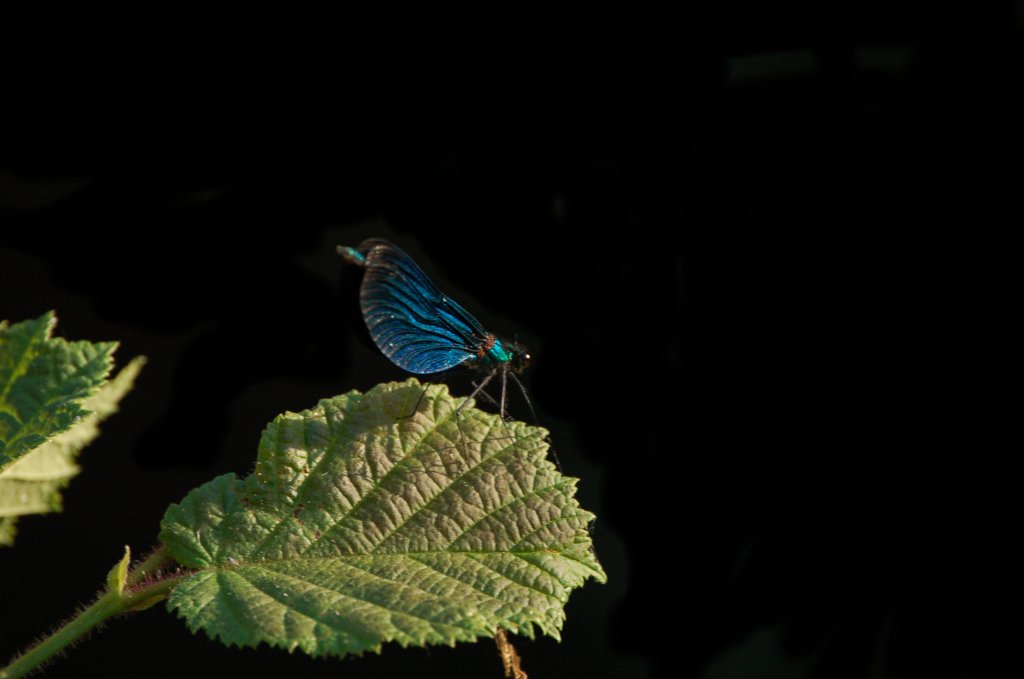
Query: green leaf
[[362, 525], [53, 395], [43, 382], [119, 573]]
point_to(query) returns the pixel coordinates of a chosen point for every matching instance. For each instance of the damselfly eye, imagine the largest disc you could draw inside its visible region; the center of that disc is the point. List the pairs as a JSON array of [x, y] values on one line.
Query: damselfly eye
[[520, 360]]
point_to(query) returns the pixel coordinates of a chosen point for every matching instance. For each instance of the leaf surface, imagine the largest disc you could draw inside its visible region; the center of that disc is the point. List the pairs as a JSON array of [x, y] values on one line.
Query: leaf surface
[[361, 524], [53, 395], [43, 382]]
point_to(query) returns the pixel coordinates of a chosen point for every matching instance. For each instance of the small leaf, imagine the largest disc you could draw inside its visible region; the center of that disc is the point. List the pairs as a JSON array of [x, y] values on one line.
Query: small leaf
[[43, 382], [53, 395], [118, 574], [362, 525], [32, 483]]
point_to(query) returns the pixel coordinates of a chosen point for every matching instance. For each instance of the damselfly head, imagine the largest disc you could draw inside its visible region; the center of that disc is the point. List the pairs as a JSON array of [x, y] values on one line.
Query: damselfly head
[[519, 357]]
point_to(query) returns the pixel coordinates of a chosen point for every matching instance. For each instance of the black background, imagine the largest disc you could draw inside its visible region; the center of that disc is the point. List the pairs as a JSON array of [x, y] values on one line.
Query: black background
[[759, 258]]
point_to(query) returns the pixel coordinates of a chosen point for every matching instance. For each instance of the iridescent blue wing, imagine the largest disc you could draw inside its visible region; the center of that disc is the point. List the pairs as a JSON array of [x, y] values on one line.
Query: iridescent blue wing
[[420, 329]]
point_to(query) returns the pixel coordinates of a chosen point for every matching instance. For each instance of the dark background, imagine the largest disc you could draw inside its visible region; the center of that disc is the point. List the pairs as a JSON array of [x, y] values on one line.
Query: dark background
[[760, 259]]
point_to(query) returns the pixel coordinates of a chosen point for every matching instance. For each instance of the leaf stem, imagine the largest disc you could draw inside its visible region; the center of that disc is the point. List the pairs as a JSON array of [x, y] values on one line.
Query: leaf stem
[[109, 604], [152, 564]]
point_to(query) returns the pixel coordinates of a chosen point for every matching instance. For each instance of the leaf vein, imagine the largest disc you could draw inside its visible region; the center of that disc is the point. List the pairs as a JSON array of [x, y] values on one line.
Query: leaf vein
[[535, 492], [443, 493], [459, 580], [342, 595], [546, 524], [24, 360], [379, 487], [513, 580]]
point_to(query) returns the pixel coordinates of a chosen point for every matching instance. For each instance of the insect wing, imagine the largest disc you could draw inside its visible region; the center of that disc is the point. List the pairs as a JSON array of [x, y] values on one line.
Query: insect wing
[[420, 329]]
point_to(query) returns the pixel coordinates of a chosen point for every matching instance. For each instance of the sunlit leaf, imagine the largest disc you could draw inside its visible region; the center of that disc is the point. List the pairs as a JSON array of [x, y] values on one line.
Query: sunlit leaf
[[362, 524]]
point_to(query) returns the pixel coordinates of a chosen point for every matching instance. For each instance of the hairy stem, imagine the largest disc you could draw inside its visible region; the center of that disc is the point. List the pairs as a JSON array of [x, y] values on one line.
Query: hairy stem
[[134, 597], [150, 565]]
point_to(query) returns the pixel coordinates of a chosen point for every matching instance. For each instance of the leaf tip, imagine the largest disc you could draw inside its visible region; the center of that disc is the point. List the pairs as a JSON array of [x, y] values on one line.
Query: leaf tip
[[119, 573]]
